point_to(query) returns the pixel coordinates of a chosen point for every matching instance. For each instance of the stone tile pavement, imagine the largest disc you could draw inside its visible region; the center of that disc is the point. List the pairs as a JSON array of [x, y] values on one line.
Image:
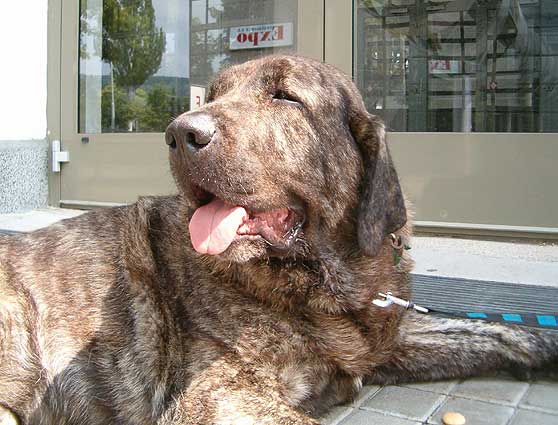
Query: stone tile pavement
[[497, 400]]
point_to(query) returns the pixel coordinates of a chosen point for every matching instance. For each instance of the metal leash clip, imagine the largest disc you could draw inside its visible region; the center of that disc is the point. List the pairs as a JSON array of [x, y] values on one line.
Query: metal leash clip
[[389, 299]]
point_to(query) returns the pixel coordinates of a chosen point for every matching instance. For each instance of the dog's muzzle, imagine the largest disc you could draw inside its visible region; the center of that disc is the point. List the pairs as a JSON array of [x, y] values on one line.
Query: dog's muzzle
[[194, 130]]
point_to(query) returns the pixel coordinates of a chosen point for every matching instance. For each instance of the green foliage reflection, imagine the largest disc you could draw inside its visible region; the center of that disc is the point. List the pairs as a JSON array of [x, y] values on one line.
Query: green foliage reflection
[[132, 43], [133, 98]]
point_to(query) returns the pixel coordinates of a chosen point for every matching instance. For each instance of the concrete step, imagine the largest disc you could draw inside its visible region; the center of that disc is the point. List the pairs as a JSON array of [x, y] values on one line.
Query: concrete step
[[35, 219], [527, 262]]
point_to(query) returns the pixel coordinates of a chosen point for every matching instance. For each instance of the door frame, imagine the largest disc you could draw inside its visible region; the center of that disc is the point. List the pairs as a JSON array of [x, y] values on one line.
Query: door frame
[[69, 76], [54, 37]]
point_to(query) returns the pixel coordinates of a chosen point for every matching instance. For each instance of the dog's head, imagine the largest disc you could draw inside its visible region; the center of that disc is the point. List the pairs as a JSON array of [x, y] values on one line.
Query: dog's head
[[282, 160]]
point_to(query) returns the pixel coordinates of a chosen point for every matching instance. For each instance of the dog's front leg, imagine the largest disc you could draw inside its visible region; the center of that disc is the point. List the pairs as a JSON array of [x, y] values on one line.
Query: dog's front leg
[[229, 392], [430, 348]]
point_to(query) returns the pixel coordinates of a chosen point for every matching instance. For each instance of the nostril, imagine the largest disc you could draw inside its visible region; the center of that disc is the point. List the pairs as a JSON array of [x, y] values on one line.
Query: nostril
[[191, 139], [199, 139], [193, 131], [171, 140]]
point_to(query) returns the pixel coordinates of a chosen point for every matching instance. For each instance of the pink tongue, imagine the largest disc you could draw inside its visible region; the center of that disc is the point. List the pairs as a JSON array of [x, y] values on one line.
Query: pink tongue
[[213, 226]]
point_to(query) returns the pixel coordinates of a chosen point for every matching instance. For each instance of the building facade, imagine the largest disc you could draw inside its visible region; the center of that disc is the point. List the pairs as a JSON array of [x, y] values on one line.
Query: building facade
[[23, 99], [467, 88]]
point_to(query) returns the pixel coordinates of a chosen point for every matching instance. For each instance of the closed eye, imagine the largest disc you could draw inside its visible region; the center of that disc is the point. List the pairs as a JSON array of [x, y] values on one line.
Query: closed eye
[[285, 98]]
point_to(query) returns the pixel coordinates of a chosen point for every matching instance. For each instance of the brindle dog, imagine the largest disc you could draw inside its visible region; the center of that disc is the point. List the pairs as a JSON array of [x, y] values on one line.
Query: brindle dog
[[261, 312]]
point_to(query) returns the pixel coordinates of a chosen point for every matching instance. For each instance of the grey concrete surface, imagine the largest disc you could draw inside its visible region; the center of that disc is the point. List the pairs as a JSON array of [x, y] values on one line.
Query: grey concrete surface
[[23, 175], [35, 219], [542, 396], [499, 390], [415, 404], [495, 400], [521, 262]]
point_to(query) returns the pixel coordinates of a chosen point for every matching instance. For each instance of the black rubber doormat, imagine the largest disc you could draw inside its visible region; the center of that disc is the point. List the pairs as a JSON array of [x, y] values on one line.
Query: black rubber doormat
[[456, 294]]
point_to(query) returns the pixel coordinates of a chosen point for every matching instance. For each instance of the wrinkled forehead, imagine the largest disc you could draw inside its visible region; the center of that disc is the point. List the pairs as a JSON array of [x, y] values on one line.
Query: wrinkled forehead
[[310, 81]]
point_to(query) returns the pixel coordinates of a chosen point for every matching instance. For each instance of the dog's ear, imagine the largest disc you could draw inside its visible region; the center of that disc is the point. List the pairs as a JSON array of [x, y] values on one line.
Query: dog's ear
[[382, 206]]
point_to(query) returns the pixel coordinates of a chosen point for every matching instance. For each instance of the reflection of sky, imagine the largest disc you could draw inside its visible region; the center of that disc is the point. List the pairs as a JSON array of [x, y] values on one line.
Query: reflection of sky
[[173, 17], [199, 9]]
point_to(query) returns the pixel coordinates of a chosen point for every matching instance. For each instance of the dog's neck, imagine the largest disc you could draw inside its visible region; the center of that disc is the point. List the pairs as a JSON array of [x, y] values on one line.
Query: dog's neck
[[325, 283]]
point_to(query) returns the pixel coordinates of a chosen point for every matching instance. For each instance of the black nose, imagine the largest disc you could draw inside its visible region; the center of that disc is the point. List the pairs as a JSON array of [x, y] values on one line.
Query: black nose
[[194, 130]]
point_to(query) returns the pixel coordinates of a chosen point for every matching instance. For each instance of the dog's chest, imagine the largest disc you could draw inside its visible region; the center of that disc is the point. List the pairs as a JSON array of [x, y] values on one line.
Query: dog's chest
[[312, 355], [308, 353], [327, 365]]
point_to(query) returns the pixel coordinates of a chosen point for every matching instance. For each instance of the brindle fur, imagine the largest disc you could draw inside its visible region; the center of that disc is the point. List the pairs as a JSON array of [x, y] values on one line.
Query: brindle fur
[[113, 318]]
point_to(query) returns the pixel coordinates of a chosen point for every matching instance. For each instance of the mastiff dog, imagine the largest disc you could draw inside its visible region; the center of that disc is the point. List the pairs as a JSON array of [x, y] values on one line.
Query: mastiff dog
[[247, 297]]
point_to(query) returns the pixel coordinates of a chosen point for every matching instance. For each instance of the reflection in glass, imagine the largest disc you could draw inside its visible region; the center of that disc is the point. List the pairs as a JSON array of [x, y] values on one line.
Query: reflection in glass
[[140, 59], [459, 66], [133, 66], [216, 22]]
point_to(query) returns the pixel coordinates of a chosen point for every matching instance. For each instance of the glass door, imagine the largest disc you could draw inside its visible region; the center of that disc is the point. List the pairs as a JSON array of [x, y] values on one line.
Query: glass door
[[468, 90], [129, 66]]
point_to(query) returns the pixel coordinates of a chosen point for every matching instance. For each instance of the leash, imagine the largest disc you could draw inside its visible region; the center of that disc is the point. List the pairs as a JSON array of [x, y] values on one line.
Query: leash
[[546, 321]]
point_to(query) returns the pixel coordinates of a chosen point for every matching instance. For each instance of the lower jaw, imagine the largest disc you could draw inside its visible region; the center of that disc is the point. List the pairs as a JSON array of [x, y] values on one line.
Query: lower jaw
[[274, 249]]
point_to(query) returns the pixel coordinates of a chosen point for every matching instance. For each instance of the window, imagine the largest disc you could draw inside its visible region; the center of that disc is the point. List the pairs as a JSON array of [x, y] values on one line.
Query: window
[[141, 60], [459, 66]]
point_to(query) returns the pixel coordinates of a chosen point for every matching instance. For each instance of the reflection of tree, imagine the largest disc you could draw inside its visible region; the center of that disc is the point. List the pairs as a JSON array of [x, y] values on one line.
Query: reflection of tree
[[123, 33], [132, 43], [160, 108], [152, 108], [89, 25], [115, 111], [205, 47]]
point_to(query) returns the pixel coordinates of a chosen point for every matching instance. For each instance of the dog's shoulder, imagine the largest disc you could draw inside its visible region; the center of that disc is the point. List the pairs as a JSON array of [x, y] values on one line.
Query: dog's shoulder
[[105, 223], [153, 211], [103, 236]]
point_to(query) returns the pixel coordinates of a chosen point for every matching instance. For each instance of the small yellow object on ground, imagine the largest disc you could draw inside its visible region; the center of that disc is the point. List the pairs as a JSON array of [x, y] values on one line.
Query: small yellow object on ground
[[453, 418]]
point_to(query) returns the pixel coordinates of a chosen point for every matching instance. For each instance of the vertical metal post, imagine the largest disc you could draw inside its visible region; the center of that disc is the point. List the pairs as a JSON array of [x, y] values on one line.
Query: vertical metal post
[[417, 88], [480, 118]]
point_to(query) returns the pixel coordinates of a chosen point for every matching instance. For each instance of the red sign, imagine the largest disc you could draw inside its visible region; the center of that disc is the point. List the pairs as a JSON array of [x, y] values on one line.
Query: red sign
[[260, 36]]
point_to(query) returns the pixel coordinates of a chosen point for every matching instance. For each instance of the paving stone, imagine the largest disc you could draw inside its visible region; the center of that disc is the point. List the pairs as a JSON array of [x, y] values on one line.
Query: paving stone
[[335, 415], [440, 387], [404, 402], [499, 390], [475, 412], [364, 417], [366, 392], [530, 417], [542, 396]]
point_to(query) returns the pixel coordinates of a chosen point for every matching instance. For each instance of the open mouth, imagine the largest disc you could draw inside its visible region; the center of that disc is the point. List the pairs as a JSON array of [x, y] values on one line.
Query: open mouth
[[215, 225]]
